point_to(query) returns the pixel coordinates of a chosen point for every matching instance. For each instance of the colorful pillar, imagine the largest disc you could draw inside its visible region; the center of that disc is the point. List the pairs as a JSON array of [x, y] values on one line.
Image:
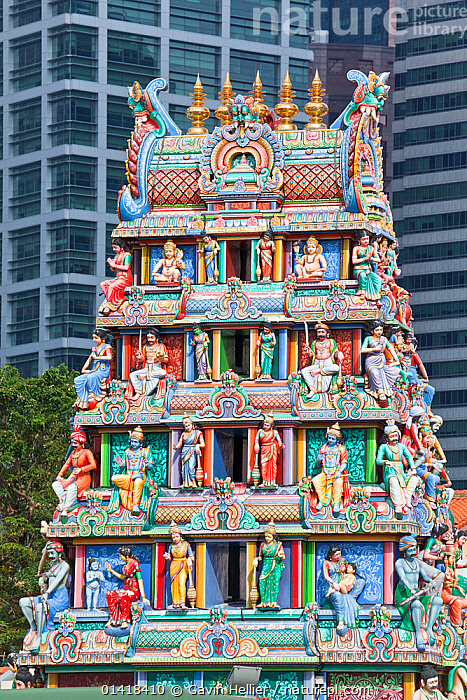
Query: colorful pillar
[[296, 579], [189, 357], [301, 454], [216, 355], [126, 356], [283, 358], [119, 357], [371, 455], [254, 260], [278, 265], [254, 351], [309, 572], [158, 575], [293, 352], [175, 471], [145, 265], [251, 453], [200, 583], [288, 456], [409, 685], [356, 347], [208, 456], [52, 680], [221, 261], [201, 267], [388, 568], [250, 555], [105, 459], [345, 259], [80, 573], [136, 253]]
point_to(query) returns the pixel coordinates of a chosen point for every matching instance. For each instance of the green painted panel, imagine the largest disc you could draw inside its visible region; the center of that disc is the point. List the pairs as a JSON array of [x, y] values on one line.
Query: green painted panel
[[171, 678], [221, 262], [159, 445], [309, 572], [105, 460], [353, 439]]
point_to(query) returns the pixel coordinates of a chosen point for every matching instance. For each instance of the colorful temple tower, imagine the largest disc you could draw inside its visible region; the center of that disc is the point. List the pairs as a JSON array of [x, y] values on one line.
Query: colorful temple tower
[[254, 477]]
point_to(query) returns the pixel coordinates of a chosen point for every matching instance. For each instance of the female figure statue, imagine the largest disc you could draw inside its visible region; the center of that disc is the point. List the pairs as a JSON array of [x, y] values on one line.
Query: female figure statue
[[267, 445], [167, 269], [369, 283], [90, 385], [211, 250], [381, 376], [114, 290], [453, 593], [344, 588], [271, 553], [435, 546], [137, 461], [120, 601], [181, 558], [40, 610], [312, 264], [192, 442], [266, 343], [265, 250], [201, 345]]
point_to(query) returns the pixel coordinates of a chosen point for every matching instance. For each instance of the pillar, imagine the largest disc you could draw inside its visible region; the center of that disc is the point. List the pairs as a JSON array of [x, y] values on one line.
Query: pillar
[[288, 456], [126, 356], [251, 453], [301, 454], [356, 348], [52, 680], [201, 266], [388, 568], [250, 555], [309, 572], [119, 345], [409, 685], [80, 573], [208, 457], [371, 455], [254, 260], [288, 266], [158, 575], [283, 356], [105, 459], [293, 352], [254, 351], [216, 355], [200, 582], [145, 265], [136, 253], [221, 261], [175, 471], [141, 679], [189, 357], [278, 264], [296, 577], [345, 259]]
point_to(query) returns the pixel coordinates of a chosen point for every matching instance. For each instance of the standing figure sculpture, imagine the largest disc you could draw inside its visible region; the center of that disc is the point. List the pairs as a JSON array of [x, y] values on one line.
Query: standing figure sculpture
[[381, 376], [40, 610], [201, 344], [332, 483], [91, 383], [344, 588], [265, 250], [137, 461], [266, 344], [94, 578], [181, 558], [155, 357], [114, 290], [400, 478], [267, 445], [271, 553], [120, 600], [326, 358], [168, 268], [312, 264], [363, 255], [82, 462], [191, 442], [211, 250], [417, 606]]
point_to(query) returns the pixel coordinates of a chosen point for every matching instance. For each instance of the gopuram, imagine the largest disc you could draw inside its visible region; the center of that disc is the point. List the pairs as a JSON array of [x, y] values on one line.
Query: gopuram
[[255, 476]]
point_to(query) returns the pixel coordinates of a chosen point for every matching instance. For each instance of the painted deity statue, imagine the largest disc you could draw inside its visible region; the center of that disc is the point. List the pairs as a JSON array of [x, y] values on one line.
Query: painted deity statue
[[429, 469], [201, 345], [40, 610], [320, 376], [90, 385], [429, 682], [381, 375], [457, 682], [120, 601], [312, 264], [210, 250], [453, 593], [265, 345], [154, 357], [363, 255], [191, 443], [181, 558], [332, 483], [114, 290], [265, 250], [413, 603], [271, 553], [344, 588], [267, 445], [399, 475], [81, 462], [168, 268], [94, 579], [137, 461]]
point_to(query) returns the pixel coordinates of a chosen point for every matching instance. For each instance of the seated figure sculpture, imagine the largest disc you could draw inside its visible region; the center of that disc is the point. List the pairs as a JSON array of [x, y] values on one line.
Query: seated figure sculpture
[[399, 475], [312, 264], [130, 485], [326, 358], [155, 357], [168, 268], [82, 462], [332, 483]]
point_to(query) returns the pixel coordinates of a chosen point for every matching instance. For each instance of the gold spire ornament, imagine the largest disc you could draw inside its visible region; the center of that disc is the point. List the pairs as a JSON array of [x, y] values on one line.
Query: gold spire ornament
[[197, 113], [316, 109], [286, 109], [225, 95], [258, 95]]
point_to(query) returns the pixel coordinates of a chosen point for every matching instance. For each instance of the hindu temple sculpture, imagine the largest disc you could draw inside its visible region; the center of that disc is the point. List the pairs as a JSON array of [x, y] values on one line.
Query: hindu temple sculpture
[[94, 580], [119, 601], [181, 558], [114, 290], [265, 250], [265, 349], [381, 375], [429, 685], [331, 485], [267, 445], [399, 474], [130, 484], [81, 462], [210, 249], [154, 358], [271, 554], [169, 268], [312, 264], [191, 444], [363, 255], [201, 345], [90, 385], [326, 358], [454, 594], [344, 588]]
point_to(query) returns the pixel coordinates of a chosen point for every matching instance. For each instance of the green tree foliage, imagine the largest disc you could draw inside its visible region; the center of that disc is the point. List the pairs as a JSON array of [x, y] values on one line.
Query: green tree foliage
[[34, 438]]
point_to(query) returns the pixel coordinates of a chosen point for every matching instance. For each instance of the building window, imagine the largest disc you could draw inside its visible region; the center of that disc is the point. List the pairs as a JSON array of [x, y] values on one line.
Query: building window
[[431, 164], [74, 53], [335, 66], [26, 123], [27, 365], [1, 198], [72, 247], [299, 19], [73, 358], [26, 191], [139, 11], [178, 114], [434, 222], [109, 229], [243, 68], [436, 280], [131, 57], [298, 73], [120, 122], [1, 70], [431, 134], [1, 135], [79, 7], [26, 62], [74, 118], [116, 178], [25, 12], [203, 16], [265, 29], [72, 311], [431, 193], [365, 65], [24, 325], [25, 261], [73, 183], [186, 61]]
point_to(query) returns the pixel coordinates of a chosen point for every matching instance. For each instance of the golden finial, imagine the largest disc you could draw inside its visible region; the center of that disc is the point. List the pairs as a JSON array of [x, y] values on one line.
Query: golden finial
[[286, 109], [197, 112], [223, 112], [258, 95], [316, 108]]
